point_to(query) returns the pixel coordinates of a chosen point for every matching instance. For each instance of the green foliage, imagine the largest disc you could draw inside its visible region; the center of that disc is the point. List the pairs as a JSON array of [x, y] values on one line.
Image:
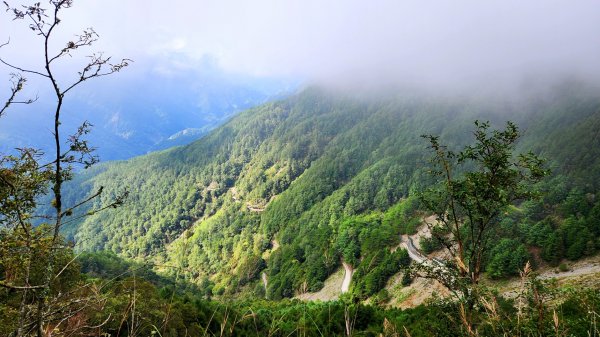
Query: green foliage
[[375, 269], [291, 189], [24, 255], [23, 261], [508, 257], [476, 187], [22, 182], [563, 267], [327, 178], [130, 305], [404, 215], [429, 244], [406, 279], [573, 237], [108, 265]]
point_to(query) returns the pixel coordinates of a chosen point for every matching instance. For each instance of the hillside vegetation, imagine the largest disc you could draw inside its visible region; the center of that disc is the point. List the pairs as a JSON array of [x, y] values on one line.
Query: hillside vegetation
[[293, 188]]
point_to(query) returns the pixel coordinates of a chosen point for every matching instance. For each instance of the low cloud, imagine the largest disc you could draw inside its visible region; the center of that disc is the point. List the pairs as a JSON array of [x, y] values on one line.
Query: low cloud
[[432, 43]]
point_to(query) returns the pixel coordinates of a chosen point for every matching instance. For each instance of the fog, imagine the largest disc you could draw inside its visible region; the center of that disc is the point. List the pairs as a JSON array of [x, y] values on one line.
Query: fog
[[436, 44]]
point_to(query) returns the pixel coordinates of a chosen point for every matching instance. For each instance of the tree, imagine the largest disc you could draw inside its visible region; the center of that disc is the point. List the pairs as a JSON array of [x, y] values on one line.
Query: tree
[[507, 258], [475, 188], [34, 258]]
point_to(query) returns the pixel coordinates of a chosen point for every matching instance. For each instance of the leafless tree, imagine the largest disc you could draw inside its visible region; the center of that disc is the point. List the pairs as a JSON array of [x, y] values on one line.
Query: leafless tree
[[24, 177]]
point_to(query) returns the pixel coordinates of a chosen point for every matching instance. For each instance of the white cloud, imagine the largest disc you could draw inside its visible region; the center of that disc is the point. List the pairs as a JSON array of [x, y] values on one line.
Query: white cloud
[[431, 41]]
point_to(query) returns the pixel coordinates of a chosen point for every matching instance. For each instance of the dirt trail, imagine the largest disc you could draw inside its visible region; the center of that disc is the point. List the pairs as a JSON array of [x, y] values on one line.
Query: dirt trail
[[578, 269], [407, 243], [265, 282], [348, 271], [583, 273]]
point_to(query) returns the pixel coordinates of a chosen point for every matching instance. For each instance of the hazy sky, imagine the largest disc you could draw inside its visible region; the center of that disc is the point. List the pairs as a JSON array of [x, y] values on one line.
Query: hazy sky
[[442, 42]]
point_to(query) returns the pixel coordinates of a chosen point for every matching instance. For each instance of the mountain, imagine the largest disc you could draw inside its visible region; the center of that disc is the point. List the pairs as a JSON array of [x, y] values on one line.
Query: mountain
[[292, 188], [134, 115]]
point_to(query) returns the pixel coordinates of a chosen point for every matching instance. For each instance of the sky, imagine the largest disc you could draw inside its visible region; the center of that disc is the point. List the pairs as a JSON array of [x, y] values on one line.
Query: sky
[[435, 43]]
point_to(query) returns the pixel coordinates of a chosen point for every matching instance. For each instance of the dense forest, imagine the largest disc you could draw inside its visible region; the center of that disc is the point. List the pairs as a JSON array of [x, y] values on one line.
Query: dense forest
[[222, 236], [122, 298], [295, 187], [332, 212]]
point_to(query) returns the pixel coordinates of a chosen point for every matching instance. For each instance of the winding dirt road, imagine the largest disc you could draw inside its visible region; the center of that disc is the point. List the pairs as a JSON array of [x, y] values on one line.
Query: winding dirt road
[[348, 271], [414, 254], [265, 282]]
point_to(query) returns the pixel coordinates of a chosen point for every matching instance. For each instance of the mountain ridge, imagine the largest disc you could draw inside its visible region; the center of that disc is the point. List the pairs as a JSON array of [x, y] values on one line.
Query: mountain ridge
[[329, 177]]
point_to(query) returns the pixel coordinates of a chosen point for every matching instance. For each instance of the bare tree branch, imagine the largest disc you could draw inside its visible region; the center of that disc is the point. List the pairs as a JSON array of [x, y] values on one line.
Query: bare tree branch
[[119, 200], [42, 309], [3, 284], [17, 85], [23, 70], [94, 69], [70, 210], [87, 38]]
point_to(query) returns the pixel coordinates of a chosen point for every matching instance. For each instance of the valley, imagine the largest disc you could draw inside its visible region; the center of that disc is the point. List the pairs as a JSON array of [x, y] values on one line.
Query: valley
[[301, 172], [314, 201], [299, 169]]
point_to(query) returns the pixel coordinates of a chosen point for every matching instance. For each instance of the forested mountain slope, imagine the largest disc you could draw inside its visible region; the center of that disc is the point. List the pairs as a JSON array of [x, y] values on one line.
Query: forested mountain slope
[[294, 187]]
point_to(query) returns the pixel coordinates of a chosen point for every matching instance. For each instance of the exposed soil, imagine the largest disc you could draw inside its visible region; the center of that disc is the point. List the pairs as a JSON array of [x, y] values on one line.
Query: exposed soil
[[583, 273], [415, 294], [331, 290]]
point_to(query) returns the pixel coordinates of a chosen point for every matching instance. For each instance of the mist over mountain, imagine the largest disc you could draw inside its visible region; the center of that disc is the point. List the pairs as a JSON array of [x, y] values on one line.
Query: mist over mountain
[[300, 168], [136, 115], [328, 177]]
